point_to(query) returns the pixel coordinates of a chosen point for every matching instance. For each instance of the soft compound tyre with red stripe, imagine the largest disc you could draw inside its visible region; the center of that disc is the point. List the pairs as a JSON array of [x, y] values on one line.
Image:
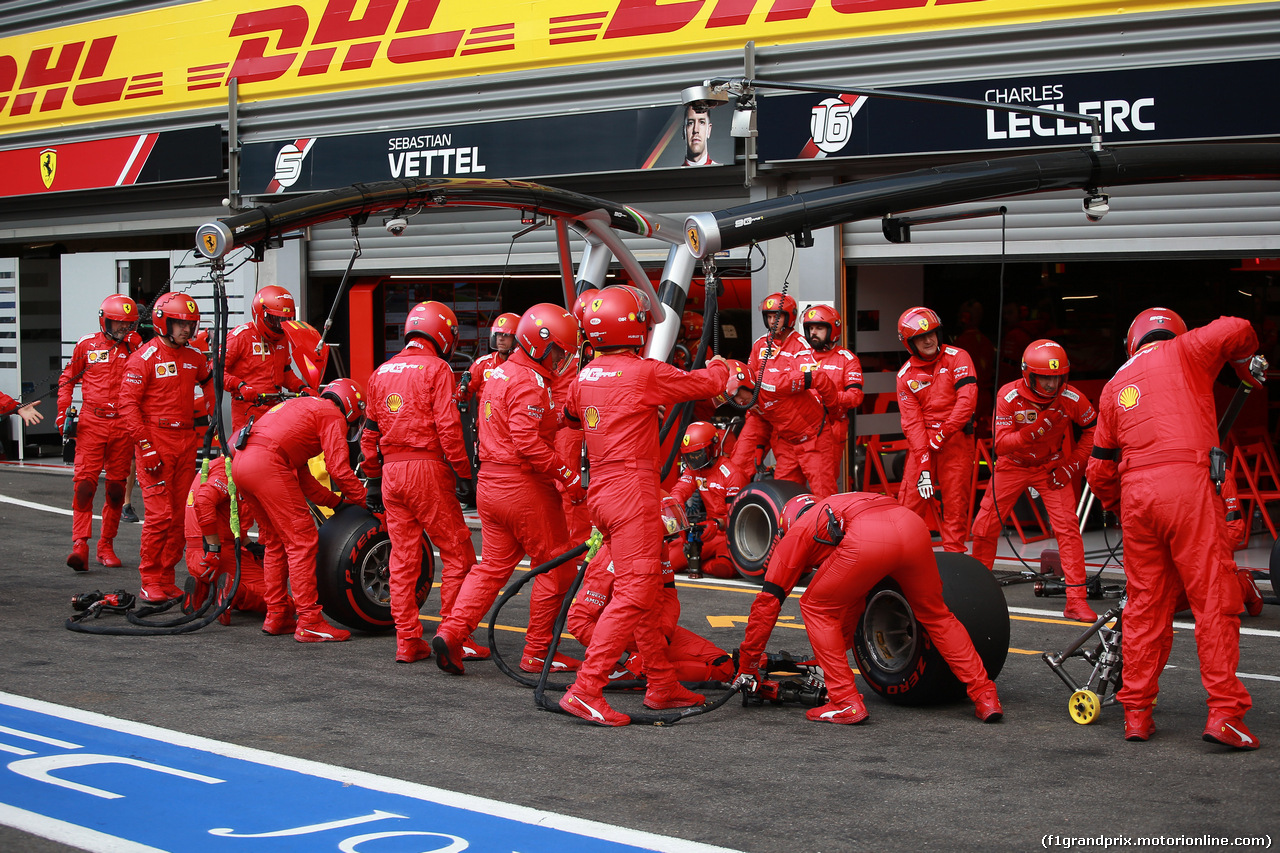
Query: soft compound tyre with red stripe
[[753, 524], [894, 653], [352, 575]]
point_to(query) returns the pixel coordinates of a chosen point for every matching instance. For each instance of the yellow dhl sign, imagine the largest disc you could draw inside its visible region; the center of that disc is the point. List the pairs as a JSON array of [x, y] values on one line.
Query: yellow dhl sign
[[182, 57]]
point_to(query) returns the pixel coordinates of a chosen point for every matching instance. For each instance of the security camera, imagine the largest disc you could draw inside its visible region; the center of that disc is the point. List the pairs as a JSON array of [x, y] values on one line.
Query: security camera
[[1096, 206], [703, 97], [396, 226]]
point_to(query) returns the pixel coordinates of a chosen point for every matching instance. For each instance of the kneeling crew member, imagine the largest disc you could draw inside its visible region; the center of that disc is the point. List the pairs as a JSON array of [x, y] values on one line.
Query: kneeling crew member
[[854, 541], [717, 481]]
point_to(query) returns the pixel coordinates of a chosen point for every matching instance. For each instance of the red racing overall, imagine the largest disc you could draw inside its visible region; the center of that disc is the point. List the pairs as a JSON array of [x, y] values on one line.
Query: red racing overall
[[518, 502], [881, 539], [156, 397], [413, 440], [260, 364], [937, 398], [1156, 424], [1030, 439], [272, 471], [846, 373], [718, 484], [209, 514], [616, 399], [103, 443]]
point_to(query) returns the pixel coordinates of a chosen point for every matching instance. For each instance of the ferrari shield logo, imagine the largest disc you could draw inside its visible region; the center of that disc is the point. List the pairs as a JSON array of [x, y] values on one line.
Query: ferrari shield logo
[[595, 304], [210, 243], [691, 235], [48, 166], [1053, 364]]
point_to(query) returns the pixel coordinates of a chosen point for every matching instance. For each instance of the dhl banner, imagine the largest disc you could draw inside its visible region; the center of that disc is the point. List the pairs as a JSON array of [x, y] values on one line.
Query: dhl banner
[[181, 57]]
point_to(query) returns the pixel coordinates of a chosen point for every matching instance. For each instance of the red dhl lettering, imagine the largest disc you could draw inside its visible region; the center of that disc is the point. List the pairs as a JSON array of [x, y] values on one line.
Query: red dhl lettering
[[350, 35]]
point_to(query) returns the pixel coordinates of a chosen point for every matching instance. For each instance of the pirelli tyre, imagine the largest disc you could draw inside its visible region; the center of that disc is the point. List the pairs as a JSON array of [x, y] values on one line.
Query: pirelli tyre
[[894, 653], [753, 523], [352, 570]]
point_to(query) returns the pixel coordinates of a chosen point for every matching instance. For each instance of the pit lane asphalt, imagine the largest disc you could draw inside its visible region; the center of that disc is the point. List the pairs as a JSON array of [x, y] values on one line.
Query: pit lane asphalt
[[754, 779]]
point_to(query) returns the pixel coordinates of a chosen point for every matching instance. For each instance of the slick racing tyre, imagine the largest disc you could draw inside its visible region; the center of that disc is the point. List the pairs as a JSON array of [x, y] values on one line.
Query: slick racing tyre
[[352, 570], [894, 653], [753, 523]]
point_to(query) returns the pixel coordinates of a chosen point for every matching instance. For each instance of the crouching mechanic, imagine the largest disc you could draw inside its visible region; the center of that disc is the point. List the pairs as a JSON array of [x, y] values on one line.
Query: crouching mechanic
[[102, 441], [854, 541], [272, 469], [717, 481], [937, 394], [616, 398], [211, 543], [1151, 462], [517, 496], [1033, 415], [155, 405], [413, 448], [695, 658]]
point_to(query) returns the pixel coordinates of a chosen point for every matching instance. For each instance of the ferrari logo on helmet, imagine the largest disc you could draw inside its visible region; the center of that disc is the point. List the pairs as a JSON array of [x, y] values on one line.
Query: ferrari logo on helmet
[[812, 314], [1053, 364], [1128, 398], [686, 441], [502, 321], [48, 166], [595, 304], [191, 306], [591, 417], [394, 402], [771, 303], [923, 324], [127, 308]]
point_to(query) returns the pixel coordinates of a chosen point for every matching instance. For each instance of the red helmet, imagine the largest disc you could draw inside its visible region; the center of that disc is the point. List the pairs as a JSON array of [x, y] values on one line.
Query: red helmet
[[691, 326], [120, 309], [349, 396], [779, 303], [618, 316], [915, 322], [174, 306], [272, 305], [543, 325], [1154, 324], [698, 447], [581, 302], [824, 315], [1044, 358], [436, 322], [505, 324], [792, 511]]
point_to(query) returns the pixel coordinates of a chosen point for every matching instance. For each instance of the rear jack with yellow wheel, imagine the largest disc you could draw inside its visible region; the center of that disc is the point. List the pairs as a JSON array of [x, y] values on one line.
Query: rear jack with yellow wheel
[[1105, 677]]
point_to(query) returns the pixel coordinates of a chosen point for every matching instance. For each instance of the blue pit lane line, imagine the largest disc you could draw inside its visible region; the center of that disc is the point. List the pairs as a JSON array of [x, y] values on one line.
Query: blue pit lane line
[[104, 784]]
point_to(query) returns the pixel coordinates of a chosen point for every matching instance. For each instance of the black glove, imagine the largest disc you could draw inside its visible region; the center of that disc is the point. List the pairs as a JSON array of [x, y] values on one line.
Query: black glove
[[373, 500]]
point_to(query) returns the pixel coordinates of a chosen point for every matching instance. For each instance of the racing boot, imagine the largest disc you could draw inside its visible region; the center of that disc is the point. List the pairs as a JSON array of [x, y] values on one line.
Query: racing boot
[[630, 668], [314, 629], [128, 515], [279, 623], [986, 706], [108, 559], [559, 663], [1078, 608], [410, 649], [673, 695], [1229, 731], [78, 559], [473, 650], [1140, 724], [159, 593], [449, 655], [843, 713], [1249, 589], [593, 709]]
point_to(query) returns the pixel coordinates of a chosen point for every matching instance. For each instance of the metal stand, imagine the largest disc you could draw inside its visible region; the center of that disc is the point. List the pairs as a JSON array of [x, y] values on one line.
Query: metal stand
[[1099, 689]]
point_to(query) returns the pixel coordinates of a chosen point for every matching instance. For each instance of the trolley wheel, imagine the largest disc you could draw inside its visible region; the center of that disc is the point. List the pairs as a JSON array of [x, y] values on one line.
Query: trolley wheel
[[1084, 707]]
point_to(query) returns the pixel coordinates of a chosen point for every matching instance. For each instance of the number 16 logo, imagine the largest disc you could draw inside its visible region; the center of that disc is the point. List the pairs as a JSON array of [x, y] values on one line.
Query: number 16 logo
[[831, 122]]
